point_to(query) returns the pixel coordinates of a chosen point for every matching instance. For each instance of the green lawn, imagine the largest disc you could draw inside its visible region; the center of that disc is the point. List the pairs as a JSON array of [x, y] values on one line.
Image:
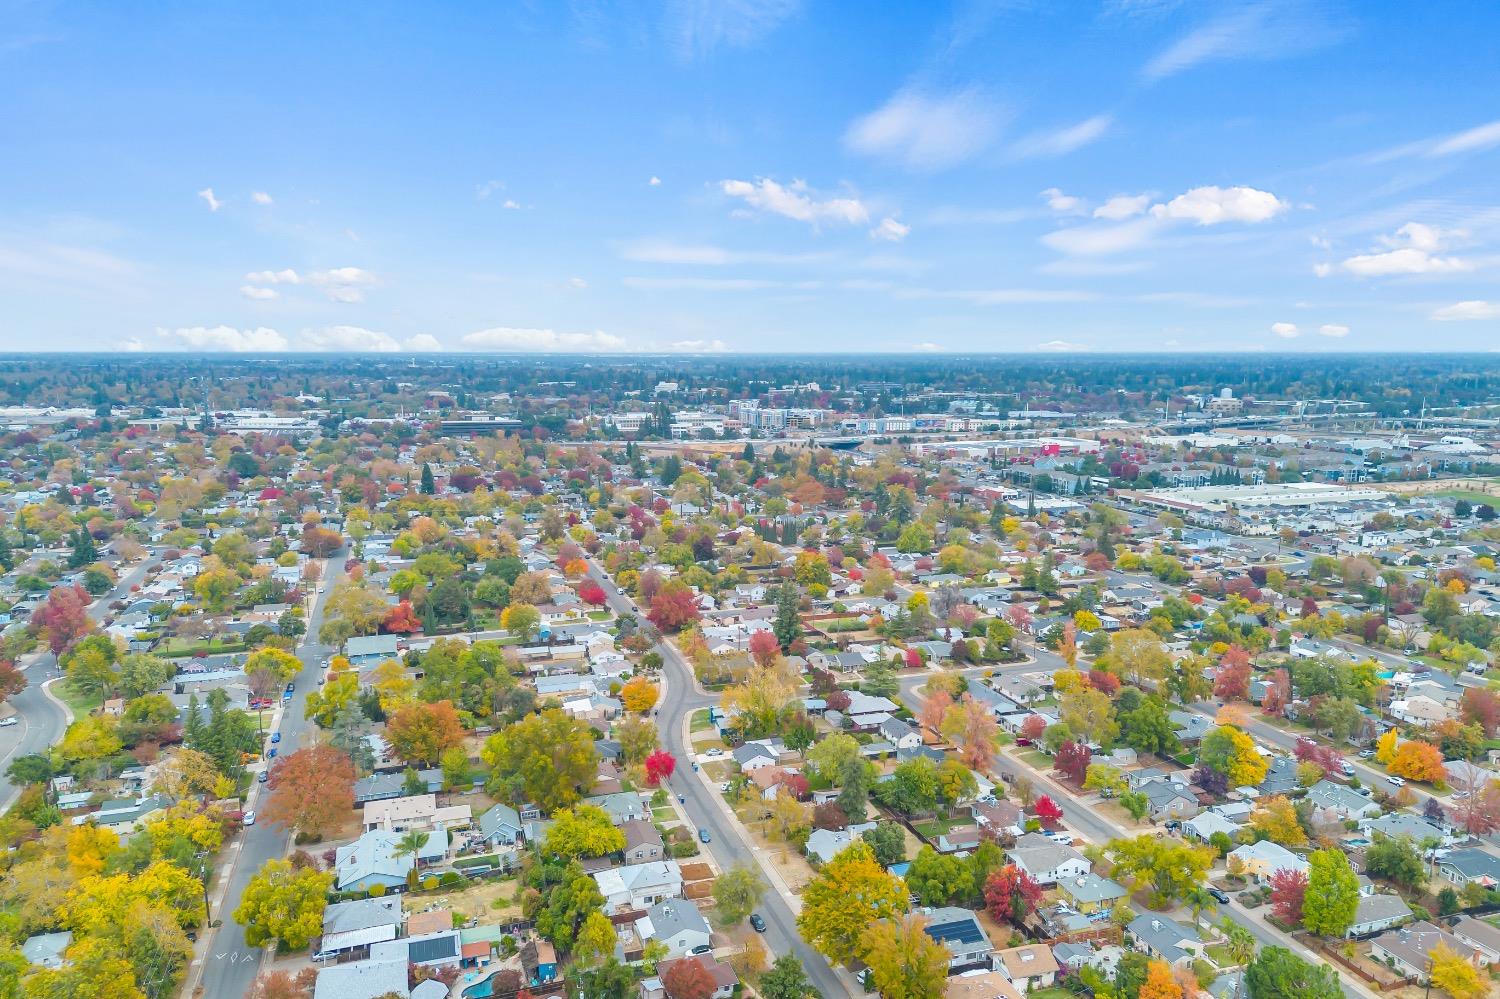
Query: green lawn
[[600, 615], [177, 647], [1219, 954], [79, 703], [933, 828], [1464, 494], [701, 722]]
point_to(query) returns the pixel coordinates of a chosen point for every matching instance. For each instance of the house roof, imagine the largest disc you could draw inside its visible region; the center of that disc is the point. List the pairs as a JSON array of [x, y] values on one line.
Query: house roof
[[361, 914], [361, 980], [1029, 961], [1164, 936]]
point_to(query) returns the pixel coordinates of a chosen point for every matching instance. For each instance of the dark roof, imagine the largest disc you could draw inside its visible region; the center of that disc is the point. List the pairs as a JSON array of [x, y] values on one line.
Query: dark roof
[[957, 930], [433, 948]]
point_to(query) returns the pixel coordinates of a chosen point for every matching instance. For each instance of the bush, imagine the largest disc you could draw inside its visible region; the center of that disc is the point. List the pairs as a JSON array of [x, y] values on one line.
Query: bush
[[684, 849], [450, 878], [429, 883], [377, 890]]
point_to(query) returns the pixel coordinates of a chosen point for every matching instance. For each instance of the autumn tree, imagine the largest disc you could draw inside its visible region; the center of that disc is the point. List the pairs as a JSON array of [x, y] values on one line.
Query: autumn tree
[[1010, 895], [764, 648], [1159, 983], [284, 903], [63, 617], [687, 978], [934, 708], [419, 733], [312, 791], [1276, 820], [1418, 760], [1456, 974], [1278, 693], [904, 959], [674, 606], [1232, 678], [849, 895], [1481, 706], [1072, 759], [971, 726], [1169, 867], [547, 758], [659, 767], [1232, 753], [1288, 889], [639, 695]]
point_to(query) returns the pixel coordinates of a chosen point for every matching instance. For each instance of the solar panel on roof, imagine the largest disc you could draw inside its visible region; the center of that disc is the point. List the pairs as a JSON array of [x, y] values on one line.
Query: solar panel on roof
[[959, 931]]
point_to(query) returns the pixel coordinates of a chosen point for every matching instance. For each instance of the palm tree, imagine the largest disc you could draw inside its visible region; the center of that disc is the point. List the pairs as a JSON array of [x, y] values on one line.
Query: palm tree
[[410, 845], [1239, 941]]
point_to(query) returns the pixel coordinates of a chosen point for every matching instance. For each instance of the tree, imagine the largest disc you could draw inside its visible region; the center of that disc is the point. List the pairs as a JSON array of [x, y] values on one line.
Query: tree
[[687, 978], [888, 841], [1385, 747], [312, 790], [1396, 859], [1288, 890], [659, 767], [281, 985], [1332, 894], [401, 619], [1159, 983], [1479, 813], [428, 484], [1232, 678], [90, 665], [420, 733], [284, 903], [1090, 711], [674, 606], [1072, 759], [736, 894], [975, 731], [639, 695], [279, 663], [63, 617], [595, 939], [905, 962], [938, 878], [1277, 973], [141, 673], [1169, 867], [1481, 706], [522, 620], [1456, 975], [1418, 760], [844, 899], [1047, 810], [785, 980], [1276, 819], [1010, 895], [1232, 753], [457, 773], [546, 758], [582, 831]]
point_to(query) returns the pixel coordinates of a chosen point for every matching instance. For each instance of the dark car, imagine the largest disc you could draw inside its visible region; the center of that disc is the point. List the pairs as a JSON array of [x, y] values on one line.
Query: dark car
[[702, 949], [757, 923], [1219, 895]]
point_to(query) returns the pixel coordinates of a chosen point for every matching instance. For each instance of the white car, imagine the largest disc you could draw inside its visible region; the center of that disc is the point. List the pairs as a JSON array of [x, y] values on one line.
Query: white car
[[1395, 781], [249, 819], [8, 722]]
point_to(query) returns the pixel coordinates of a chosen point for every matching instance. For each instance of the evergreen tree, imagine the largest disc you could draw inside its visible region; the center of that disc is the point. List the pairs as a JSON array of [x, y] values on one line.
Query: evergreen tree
[[429, 485], [84, 551], [787, 625], [192, 729]]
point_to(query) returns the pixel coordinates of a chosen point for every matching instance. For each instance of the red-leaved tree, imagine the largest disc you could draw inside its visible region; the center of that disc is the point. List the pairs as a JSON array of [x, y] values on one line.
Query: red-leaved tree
[[764, 648], [1232, 678], [1481, 707], [401, 619], [1278, 693], [591, 593], [1033, 727], [63, 617], [673, 607], [1010, 895], [659, 766], [1288, 889], [1072, 759], [688, 979], [1047, 810]]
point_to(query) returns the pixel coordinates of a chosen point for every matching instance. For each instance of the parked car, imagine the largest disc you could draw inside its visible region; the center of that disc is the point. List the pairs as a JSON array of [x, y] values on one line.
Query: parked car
[[275, 738], [1219, 895], [1366, 754], [681, 800], [265, 775], [757, 922], [8, 722], [249, 819], [1395, 781], [702, 949]]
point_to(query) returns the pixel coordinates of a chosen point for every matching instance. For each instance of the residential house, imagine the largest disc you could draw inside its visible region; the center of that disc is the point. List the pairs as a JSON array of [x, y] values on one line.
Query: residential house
[[622, 806], [1407, 949], [1090, 893], [1333, 802], [1028, 967], [417, 811], [1170, 800], [47, 950], [501, 825], [979, 984], [642, 841], [380, 786], [1260, 860], [638, 886], [1047, 862], [753, 756], [1003, 816], [367, 651], [539, 962], [900, 734], [373, 859], [430, 950], [1375, 913], [362, 980], [1471, 866], [1399, 824], [960, 931], [677, 923], [1159, 936], [825, 844], [359, 923], [723, 976], [1190, 726], [1483, 937], [1209, 821]]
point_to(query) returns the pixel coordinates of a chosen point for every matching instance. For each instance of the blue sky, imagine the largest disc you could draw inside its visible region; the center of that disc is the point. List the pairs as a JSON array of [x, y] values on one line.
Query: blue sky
[[750, 175]]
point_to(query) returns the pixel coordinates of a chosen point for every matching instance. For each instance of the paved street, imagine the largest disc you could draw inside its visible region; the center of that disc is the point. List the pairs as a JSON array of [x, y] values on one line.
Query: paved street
[[41, 721], [230, 964], [705, 808]]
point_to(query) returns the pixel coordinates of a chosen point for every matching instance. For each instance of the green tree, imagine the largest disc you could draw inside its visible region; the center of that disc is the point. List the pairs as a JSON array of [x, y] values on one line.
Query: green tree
[[1277, 973], [905, 961], [888, 842], [1332, 894], [283, 903], [1170, 867], [785, 979], [787, 624], [736, 894], [938, 878], [582, 831], [141, 673], [547, 758], [429, 485]]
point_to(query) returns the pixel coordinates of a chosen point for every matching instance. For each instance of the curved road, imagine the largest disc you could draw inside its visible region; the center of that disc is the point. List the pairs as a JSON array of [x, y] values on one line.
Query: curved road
[[728, 845]]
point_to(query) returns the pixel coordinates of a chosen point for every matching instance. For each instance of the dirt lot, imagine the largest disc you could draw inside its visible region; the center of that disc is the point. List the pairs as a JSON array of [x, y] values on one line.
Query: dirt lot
[[476, 901]]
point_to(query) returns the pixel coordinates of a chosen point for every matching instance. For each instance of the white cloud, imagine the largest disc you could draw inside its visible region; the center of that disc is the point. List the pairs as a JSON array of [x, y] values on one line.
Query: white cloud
[[1270, 29], [927, 347], [343, 284], [1333, 330], [355, 339], [489, 187], [654, 181], [1060, 202], [924, 132], [1062, 347], [698, 346], [1287, 331], [890, 230], [509, 338], [1099, 240], [133, 345], [1212, 205], [229, 339], [261, 198], [511, 204], [1122, 206], [578, 282], [287, 276], [259, 294], [1467, 311], [1412, 250], [207, 194], [657, 251], [423, 343], [1472, 140], [795, 201], [1061, 141]]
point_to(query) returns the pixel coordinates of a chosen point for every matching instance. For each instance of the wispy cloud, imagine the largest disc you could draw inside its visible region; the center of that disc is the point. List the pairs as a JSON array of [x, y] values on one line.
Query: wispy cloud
[[261, 198], [1201, 206], [889, 230], [213, 203], [1062, 347], [341, 284], [1467, 311], [656, 251], [1413, 249], [796, 201], [926, 132], [698, 27], [1259, 31], [524, 340], [1061, 141], [1470, 140]]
